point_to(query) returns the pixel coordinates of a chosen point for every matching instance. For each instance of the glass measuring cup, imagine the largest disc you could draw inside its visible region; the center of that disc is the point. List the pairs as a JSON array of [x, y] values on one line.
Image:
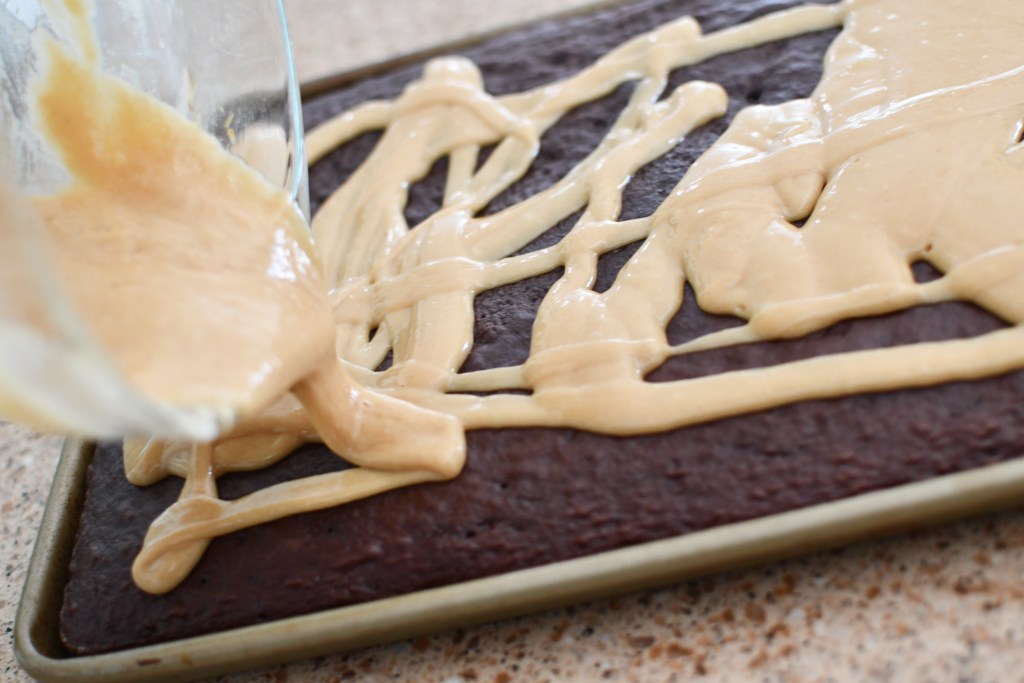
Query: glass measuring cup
[[224, 65]]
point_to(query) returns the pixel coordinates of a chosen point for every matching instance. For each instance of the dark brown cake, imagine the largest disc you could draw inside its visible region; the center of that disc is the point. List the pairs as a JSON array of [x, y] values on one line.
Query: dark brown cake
[[534, 496]]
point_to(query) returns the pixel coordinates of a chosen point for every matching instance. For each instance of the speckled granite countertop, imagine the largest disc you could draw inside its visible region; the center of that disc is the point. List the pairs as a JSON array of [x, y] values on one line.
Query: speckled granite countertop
[[945, 604]]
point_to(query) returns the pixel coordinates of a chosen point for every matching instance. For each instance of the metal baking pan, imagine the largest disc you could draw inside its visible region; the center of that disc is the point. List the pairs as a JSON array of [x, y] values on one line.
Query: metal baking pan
[[893, 510], [38, 647]]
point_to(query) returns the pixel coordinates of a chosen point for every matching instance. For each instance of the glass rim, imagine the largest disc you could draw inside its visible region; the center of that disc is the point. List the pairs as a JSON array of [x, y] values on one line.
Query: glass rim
[[298, 188]]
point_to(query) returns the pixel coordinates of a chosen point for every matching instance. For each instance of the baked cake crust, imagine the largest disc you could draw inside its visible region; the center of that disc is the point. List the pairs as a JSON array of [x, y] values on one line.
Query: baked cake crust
[[533, 496]]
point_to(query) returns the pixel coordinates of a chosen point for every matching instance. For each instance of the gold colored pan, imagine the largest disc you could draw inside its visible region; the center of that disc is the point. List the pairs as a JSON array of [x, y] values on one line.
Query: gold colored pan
[[38, 647]]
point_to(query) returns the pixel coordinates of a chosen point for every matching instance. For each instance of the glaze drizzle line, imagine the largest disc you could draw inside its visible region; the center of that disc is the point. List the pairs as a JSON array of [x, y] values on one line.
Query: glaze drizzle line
[[905, 151]]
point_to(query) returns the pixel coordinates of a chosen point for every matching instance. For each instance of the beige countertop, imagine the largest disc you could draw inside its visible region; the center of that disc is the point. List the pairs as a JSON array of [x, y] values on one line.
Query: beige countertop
[[945, 604]]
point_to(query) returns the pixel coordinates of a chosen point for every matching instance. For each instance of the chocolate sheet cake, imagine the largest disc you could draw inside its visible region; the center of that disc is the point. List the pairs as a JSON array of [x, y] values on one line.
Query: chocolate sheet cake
[[531, 496]]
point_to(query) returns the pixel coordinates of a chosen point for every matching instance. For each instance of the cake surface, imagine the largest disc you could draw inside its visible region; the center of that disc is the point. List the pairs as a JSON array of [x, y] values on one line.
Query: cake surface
[[533, 496]]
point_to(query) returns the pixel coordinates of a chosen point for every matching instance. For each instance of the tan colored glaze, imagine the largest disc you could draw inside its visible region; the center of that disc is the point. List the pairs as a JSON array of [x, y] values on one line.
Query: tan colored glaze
[[195, 274], [196, 257], [906, 151]]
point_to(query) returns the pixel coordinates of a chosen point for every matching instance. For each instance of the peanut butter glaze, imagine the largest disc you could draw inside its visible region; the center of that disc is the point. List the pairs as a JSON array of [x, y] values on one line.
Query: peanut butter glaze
[[908, 150], [170, 252], [193, 273], [163, 260]]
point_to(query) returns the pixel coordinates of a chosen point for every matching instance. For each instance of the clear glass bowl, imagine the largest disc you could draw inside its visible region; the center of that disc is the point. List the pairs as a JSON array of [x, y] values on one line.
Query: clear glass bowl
[[225, 65]]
